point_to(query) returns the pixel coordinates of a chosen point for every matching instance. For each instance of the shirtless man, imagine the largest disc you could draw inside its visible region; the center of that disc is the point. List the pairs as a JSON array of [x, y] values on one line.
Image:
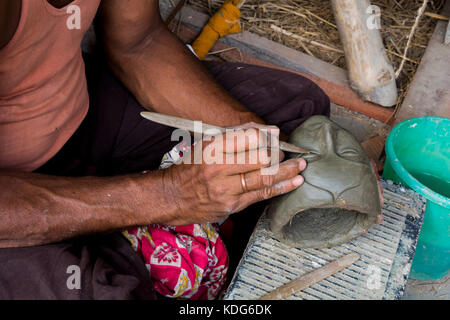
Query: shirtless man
[[44, 102]]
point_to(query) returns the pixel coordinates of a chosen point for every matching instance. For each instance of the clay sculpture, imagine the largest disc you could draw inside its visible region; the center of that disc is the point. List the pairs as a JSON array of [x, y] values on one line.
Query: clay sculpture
[[339, 199]]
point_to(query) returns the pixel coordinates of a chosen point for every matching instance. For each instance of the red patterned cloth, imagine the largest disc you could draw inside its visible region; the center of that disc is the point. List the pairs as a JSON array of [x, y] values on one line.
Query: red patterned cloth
[[184, 262], [188, 262]]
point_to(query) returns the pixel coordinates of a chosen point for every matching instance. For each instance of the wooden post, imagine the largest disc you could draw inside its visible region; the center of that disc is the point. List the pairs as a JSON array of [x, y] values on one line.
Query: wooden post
[[370, 71]]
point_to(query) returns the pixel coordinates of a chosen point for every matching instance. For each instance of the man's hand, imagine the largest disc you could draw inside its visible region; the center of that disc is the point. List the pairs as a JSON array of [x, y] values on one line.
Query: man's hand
[[211, 192]]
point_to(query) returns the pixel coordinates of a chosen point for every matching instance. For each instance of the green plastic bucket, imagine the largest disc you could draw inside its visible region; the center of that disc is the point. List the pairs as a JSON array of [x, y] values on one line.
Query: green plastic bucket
[[418, 156]]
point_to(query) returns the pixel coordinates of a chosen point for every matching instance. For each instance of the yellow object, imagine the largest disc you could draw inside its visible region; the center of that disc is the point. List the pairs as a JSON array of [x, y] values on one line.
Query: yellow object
[[224, 22]]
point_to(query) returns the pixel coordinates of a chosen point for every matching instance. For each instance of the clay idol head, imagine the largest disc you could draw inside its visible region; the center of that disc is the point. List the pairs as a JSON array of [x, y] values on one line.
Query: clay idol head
[[339, 199]]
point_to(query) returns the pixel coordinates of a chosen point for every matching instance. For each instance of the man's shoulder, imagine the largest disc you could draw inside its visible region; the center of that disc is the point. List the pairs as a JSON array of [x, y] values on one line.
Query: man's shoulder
[[9, 20]]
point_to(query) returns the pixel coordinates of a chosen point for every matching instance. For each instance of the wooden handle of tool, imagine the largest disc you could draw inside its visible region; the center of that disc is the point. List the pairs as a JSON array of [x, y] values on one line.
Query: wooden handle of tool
[[311, 278]]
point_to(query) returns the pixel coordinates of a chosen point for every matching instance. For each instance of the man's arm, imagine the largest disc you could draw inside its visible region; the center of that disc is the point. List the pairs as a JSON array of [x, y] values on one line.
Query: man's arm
[[37, 209], [158, 68]]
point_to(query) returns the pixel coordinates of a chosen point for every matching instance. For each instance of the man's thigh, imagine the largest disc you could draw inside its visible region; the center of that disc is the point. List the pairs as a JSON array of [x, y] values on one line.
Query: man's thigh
[[280, 98]]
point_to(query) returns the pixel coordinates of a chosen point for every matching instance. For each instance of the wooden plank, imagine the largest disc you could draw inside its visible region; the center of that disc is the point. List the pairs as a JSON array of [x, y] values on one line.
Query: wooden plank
[[311, 278], [361, 126], [257, 50], [429, 93], [374, 147]]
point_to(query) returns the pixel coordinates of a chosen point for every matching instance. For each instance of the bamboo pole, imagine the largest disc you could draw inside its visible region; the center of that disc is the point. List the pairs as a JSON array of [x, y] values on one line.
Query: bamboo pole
[[370, 72]]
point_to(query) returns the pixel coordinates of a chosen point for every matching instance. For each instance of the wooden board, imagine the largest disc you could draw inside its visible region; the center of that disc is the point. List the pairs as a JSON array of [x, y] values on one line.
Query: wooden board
[[429, 93], [361, 126]]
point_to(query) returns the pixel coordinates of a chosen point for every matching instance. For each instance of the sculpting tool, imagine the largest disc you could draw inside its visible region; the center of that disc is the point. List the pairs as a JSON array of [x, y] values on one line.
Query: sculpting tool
[[188, 125], [311, 278]]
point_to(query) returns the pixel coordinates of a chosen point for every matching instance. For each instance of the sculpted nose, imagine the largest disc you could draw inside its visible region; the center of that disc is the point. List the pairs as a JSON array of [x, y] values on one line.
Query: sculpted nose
[[327, 139]]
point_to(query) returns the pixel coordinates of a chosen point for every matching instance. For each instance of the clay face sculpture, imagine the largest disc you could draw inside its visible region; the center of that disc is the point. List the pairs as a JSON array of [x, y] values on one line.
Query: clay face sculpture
[[339, 199]]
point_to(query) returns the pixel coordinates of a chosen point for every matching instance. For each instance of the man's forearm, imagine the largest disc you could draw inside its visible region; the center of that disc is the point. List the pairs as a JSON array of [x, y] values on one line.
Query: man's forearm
[[37, 209], [165, 76]]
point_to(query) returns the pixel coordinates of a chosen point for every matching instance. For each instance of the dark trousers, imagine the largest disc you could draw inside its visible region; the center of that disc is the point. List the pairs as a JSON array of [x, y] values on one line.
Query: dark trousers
[[114, 139]]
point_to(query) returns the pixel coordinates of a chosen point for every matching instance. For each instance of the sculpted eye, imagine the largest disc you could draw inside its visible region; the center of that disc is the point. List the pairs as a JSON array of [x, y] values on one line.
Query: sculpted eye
[[312, 156], [348, 152], [351, 154], [348, 147]]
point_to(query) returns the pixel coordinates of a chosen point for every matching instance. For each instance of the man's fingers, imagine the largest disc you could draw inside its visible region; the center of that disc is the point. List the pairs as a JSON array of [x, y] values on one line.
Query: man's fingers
[[257, 179], [270, 192], [257, 126], [243, 150], [252, 160]]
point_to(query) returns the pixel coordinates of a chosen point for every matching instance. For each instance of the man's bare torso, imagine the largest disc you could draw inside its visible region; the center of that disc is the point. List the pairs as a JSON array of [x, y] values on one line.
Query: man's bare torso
[[10, 16]]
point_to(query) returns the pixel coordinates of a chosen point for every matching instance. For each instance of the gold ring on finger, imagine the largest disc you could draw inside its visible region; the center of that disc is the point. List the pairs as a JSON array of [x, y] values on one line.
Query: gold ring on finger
[[243, 183]]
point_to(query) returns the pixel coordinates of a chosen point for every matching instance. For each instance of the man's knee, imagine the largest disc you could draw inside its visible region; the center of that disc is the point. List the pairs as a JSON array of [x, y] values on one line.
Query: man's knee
[[306, 99]]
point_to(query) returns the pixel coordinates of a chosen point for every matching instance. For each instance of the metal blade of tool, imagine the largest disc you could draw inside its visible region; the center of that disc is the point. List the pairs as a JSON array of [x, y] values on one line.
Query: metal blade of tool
[[188, 125]]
